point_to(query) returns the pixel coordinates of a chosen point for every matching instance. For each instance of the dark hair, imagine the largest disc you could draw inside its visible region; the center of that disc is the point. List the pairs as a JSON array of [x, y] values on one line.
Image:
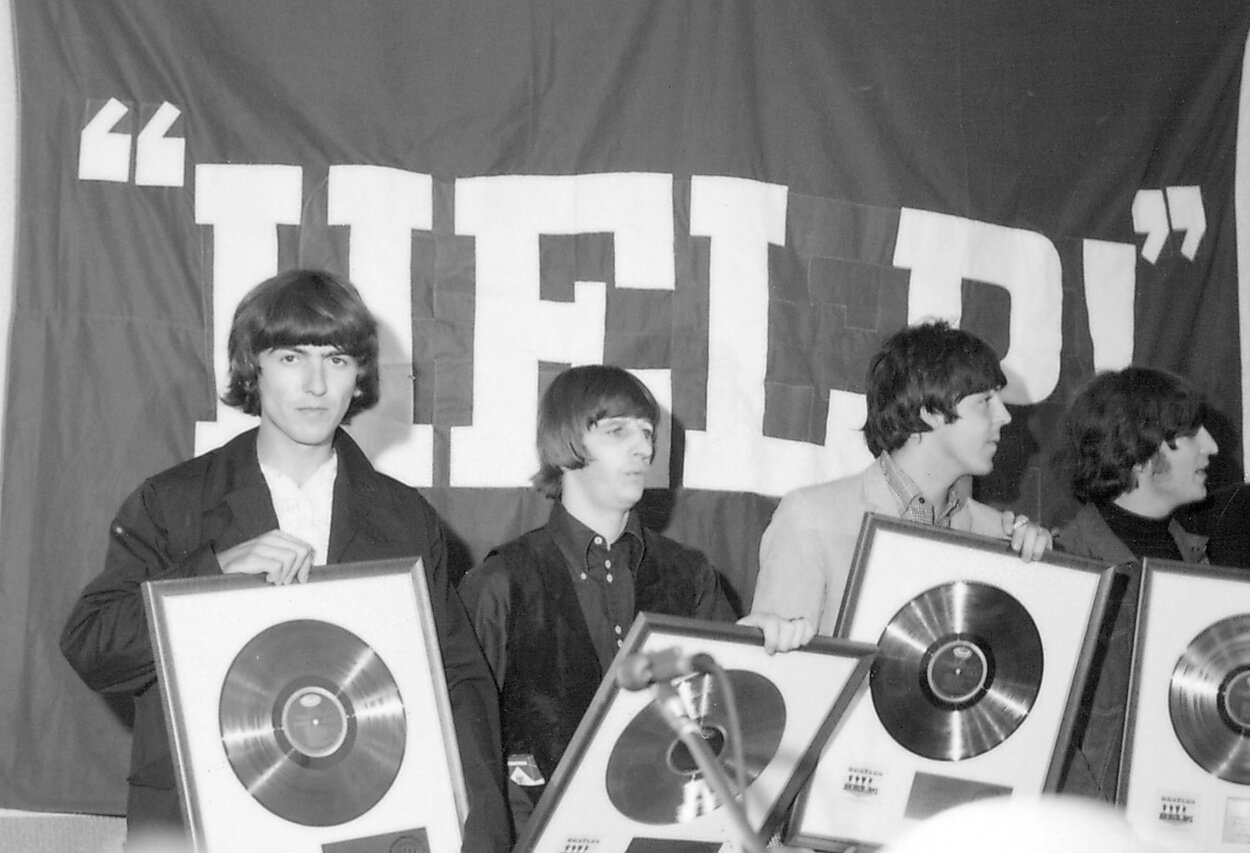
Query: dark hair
[[295, 308], [1119, 420], [575, 401], [926, 367]]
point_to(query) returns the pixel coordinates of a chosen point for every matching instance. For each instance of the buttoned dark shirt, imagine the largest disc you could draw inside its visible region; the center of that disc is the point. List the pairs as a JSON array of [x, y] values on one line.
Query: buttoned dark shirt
[[603, 576]]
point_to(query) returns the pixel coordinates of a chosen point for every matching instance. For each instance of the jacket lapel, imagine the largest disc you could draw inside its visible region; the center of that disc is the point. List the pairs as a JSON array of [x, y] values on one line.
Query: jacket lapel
[[244, 509], [358, 520]]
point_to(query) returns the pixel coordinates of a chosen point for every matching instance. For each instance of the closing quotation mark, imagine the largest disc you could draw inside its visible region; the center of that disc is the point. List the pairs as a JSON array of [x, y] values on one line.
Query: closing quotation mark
[[104, 151], [1157, 212]]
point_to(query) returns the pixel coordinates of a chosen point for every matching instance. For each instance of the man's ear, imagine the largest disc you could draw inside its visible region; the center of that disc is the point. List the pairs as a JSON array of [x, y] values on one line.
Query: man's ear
[[932, 418]]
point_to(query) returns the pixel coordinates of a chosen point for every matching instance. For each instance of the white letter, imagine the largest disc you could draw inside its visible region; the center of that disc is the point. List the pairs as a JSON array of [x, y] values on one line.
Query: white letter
[[514, 329], [245, 205], [384, 206], [743, 218], [1110, 286], [942, 250]]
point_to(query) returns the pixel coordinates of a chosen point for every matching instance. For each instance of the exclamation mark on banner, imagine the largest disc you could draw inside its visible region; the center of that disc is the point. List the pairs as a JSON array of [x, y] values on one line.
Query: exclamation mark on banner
[[1110, 282]]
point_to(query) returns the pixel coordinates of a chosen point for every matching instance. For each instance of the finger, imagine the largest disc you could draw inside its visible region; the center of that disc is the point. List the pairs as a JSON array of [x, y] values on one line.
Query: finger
[[305, 568], [796, 632], [1041, 543], [299, 564], [252, 564], [772, 638], [296, 557], [1018, 532]]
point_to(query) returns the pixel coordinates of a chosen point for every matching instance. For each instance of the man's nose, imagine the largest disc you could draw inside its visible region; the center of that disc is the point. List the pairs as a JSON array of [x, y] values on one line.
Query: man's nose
[[1209, 445], [1001, 414], [643, 447], [315, 378]]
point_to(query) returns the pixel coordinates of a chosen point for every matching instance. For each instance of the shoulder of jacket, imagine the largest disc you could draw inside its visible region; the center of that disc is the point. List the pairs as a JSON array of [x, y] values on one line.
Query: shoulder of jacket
[[670, 549]]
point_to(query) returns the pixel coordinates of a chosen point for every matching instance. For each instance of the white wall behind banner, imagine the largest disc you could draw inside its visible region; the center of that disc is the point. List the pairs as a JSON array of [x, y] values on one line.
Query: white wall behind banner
[[1242, 210], [8, 193]]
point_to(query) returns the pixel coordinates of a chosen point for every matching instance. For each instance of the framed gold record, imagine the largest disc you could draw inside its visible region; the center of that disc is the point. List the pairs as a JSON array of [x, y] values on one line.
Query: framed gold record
[[309, 717], [974, 691], [628, 783], [1185, 774]]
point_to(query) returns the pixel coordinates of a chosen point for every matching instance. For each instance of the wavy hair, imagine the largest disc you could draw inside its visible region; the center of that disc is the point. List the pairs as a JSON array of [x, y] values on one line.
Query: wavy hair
[[927, 367], [1119, 420], [296, 308]]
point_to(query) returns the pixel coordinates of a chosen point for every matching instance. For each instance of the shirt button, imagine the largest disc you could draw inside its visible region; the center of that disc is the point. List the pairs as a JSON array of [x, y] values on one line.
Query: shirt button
[[583, 576], [609, 577], [618, 629], [607, 564], [598, 540], [921, 501]]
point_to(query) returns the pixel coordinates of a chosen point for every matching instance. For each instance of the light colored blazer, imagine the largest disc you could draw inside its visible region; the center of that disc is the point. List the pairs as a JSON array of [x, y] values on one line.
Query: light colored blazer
[[806, 551]]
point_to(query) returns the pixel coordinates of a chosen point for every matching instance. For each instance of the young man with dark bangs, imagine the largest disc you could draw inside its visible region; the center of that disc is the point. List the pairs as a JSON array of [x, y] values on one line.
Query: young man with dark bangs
[[552, 607], [275, 501], [934, 422], [1137, 451]]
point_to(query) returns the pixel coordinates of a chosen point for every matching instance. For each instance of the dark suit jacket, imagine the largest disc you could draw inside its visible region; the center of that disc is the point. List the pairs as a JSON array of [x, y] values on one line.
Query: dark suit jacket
[[525, 609], [1094, 766], [174, 525]]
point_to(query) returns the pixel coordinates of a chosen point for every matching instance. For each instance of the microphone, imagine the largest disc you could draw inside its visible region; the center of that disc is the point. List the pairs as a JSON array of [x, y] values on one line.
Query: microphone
[[640, 670]]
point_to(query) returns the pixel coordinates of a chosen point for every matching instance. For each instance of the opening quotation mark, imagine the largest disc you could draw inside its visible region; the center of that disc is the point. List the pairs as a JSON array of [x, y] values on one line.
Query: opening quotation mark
[[104, 152]]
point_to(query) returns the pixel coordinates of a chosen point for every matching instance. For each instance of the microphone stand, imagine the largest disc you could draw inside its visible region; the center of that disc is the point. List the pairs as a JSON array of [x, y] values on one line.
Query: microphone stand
[[672, 710]]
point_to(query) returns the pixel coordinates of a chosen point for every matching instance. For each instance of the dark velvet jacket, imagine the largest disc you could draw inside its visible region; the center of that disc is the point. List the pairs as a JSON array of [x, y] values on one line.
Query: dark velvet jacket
[[1094, 766], [551, 670], [174, 525]]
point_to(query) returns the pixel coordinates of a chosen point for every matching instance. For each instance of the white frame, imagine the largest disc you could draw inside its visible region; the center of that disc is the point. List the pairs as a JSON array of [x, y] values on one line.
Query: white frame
[[199, 625], [1167, 796], [816, 683], [865, 783]]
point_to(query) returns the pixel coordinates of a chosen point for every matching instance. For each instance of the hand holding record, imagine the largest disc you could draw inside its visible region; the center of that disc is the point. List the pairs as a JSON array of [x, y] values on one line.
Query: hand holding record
[[280, 557]]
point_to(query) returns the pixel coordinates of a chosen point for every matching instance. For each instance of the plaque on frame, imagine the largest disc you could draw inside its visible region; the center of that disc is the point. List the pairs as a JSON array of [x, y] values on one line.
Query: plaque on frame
[[629, 784], [1185, 774], [974, 691], [308, 717]]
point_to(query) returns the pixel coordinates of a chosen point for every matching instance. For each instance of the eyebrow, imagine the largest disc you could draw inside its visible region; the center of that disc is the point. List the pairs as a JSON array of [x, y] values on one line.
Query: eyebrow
[[304, 348], [625, 418]]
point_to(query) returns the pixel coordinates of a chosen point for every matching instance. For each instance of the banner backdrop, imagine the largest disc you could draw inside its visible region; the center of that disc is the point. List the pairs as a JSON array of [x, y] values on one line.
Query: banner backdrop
[[737, 200]]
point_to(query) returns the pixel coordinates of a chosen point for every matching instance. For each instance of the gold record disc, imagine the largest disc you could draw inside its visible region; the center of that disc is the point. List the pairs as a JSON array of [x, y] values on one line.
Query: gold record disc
[[652, 777], [312, 722], [959, 669], [1209, 699]]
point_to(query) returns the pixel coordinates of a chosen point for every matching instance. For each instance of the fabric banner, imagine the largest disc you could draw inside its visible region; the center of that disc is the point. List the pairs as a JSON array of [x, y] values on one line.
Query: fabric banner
[[736, 200]]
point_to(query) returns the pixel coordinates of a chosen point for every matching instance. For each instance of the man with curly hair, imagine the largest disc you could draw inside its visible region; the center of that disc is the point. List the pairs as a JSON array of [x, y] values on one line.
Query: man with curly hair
[[1138, 451]]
